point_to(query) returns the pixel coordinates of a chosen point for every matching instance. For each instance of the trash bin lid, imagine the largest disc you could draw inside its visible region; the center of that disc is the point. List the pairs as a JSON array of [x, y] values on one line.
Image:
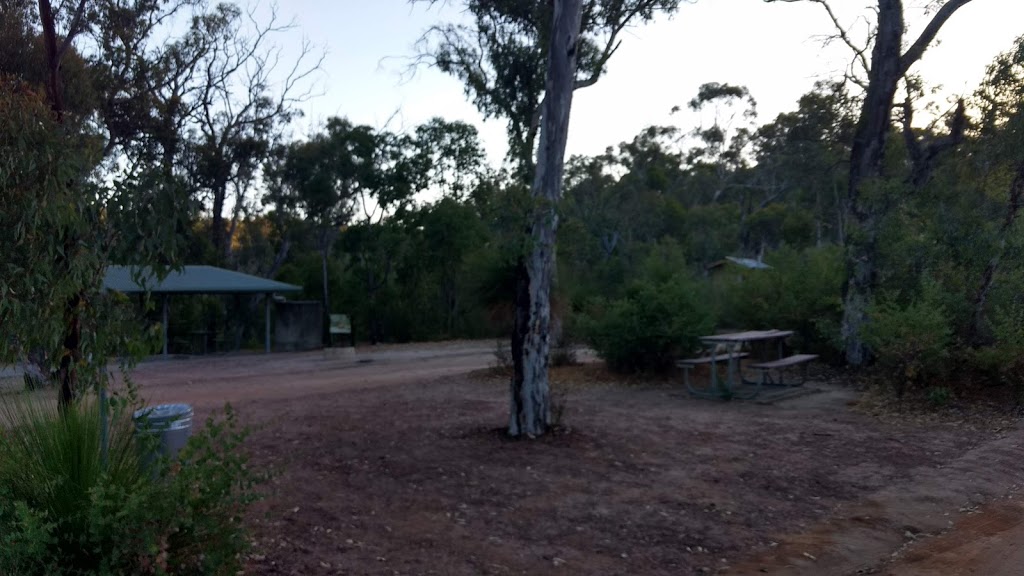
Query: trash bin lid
[[165, 415]]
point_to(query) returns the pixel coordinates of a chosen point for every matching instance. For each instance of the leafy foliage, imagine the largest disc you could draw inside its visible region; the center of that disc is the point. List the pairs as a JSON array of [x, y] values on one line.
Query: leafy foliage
[[419, 238], [210, 488], [911, 338], [51, 470], [658, 320], [69, 507], [39, 272], [1003, 361], [802, 291], [501, 58]]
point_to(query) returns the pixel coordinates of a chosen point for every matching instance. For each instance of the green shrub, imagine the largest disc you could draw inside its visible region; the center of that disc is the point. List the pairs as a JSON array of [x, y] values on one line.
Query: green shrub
[[910, 341], [651, 326], [51, 468], [801, 292], [210, 489], [939, 395], [67, 506], [1003, 361]]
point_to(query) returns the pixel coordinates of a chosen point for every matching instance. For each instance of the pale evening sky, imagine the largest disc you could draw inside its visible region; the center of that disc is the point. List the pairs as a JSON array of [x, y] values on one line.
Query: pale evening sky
[[774, 49]]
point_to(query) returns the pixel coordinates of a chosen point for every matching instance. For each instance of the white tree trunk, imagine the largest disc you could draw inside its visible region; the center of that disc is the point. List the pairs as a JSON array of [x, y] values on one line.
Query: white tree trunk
[[530, 402]]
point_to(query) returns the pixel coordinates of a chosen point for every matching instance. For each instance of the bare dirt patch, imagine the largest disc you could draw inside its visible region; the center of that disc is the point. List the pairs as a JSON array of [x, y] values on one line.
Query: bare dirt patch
[[398, 466], [985, 542]]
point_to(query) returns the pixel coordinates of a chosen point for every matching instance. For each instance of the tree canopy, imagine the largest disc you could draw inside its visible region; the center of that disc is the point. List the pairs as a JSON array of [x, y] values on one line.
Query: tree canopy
[[159, 156]]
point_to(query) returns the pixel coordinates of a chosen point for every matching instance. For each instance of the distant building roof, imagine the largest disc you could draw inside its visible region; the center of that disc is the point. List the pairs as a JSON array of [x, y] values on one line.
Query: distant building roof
[[192, 280], [744, 262], [749, 263]]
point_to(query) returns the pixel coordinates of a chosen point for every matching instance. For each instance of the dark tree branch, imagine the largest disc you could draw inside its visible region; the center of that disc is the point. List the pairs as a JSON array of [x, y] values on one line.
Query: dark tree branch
[[889, 64], [609, 50], [73, 29], [53, 84], [923, 158], [916, 50], [860, 53], [911, 140], [912, 54]]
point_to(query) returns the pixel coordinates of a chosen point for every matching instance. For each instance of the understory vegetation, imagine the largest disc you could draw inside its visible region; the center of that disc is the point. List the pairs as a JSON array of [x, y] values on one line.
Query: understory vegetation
[[76, 498], [419, 236], [159, 133]]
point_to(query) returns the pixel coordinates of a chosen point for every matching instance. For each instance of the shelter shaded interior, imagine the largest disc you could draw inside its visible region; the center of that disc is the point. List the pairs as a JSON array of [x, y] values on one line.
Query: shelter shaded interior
[[194, 280]]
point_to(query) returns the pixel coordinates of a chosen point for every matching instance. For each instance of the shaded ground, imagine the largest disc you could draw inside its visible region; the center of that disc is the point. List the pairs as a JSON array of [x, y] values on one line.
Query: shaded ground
[[397, 466]]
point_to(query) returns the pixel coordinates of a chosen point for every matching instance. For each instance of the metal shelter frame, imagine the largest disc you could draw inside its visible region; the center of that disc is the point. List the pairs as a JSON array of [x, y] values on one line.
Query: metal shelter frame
[[193, 280]]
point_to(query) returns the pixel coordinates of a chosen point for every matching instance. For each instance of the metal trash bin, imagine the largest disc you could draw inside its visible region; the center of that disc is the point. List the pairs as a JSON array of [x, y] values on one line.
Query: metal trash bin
[[171, 422]]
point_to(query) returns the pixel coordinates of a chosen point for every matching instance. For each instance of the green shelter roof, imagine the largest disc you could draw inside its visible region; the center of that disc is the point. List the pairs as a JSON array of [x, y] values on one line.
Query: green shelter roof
[[192, 280]]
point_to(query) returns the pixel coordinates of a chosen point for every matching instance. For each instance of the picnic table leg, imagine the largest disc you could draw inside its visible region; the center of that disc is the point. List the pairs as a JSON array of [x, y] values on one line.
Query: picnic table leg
[[735, 375], [743, 380], [740, 380], [757, 388], [717, 384], [714, 373], [702, 393], [763, 377], [690, 387], [803, 376], [732, 369]]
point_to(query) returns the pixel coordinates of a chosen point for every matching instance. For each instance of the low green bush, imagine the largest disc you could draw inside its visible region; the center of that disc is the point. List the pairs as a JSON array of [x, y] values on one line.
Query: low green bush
[[940, 396], [1002, 362], [210, 488], [656, 322], [70, 506], [910, 340], [52, 472], [802, 291]]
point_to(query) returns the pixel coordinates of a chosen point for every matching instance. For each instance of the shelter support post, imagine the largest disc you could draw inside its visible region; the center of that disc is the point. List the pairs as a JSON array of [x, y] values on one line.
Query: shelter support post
[[266, 313], [164, 326]]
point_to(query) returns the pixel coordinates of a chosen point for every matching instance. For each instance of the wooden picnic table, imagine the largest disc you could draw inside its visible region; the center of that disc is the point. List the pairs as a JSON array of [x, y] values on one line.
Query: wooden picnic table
[[740, 338], [733, 344]]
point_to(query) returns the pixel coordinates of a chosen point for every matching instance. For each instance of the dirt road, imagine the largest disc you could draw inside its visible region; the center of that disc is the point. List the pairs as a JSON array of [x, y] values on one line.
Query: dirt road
[[984, 543], [209, 382]]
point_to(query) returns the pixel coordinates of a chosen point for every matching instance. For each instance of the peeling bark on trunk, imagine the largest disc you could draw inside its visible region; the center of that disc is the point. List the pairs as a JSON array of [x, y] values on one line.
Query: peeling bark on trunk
[[531, 411], [840, 215], [374, 284], [866, 159], [520, 323], [217, 232], [72, 352], [54, 88], [888, 66], [327, 292], [229, 236], [279, 259]]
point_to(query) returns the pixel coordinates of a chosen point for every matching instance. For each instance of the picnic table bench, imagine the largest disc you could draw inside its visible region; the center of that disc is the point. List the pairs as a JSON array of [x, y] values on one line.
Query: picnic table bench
[[727, 348], [691, 362], [766, 368]]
